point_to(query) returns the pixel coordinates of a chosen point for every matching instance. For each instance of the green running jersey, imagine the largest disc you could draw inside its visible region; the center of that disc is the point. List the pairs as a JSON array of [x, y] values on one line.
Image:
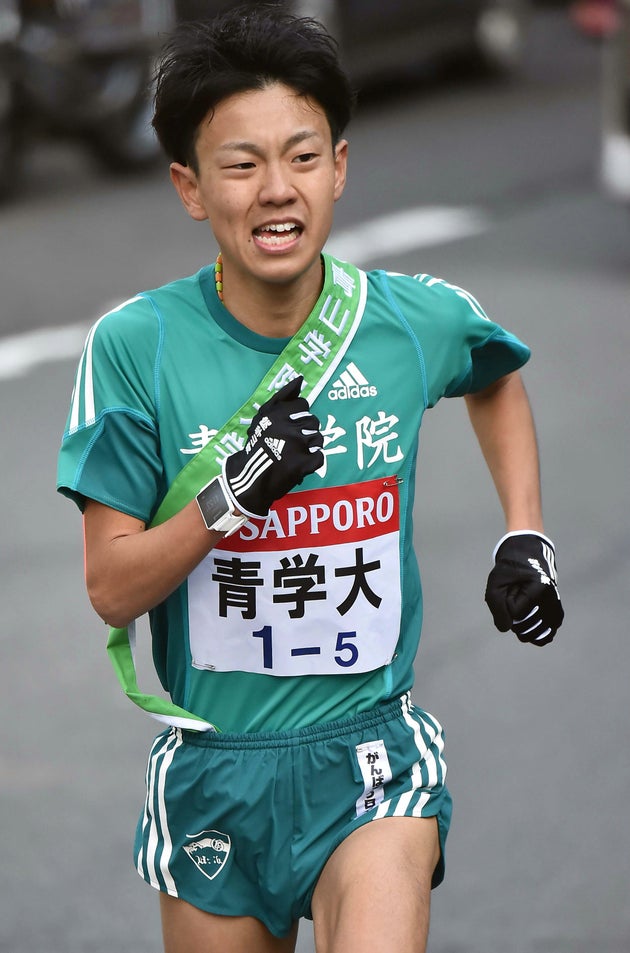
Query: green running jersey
[[313, 614]]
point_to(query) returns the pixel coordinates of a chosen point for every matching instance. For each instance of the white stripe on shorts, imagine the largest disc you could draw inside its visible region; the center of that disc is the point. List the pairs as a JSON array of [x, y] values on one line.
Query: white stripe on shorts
[[145, 815], [435, 766], [155, 814]]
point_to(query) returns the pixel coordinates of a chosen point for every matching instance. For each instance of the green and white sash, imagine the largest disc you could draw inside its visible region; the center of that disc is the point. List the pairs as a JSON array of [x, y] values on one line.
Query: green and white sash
[[314, 352]]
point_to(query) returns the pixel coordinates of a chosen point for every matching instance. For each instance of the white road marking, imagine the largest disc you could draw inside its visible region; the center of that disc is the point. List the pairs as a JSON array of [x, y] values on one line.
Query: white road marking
[[405, 231], [20, 353], [363, 244]]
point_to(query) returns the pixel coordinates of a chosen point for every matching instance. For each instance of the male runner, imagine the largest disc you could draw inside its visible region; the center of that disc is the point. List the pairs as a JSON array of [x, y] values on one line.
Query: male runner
[[242, 444]]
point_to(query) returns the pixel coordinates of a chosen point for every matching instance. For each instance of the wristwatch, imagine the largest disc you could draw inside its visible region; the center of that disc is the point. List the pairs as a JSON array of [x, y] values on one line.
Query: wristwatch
[[217, 510]]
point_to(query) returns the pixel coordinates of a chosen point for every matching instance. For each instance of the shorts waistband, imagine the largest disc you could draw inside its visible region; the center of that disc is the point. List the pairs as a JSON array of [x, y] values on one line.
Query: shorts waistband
[[388, 711]]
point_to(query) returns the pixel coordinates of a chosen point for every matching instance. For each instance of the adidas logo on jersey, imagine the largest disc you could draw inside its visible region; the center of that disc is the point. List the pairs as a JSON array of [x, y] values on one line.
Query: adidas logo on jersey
[[351, 384], [276, 446]]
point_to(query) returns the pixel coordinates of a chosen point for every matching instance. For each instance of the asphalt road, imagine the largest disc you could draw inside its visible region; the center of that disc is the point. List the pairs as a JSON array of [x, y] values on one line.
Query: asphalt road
[[539, 853]]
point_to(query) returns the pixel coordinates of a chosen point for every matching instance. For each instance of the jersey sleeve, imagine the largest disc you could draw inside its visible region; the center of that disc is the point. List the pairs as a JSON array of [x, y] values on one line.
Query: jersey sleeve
[[463, 350], [110, 447]]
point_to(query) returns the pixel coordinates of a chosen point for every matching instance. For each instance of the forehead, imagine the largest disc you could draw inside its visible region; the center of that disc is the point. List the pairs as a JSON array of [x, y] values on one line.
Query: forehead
[[265, 116]]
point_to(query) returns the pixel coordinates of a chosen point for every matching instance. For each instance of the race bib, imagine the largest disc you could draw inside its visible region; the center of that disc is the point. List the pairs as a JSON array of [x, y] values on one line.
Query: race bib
[[312, 590]]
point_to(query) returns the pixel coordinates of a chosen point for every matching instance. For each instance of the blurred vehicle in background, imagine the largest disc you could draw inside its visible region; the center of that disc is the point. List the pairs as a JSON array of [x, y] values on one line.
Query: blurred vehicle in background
[[80, 69], [378, 38], [615, 159], [9, 29], [596, 19]]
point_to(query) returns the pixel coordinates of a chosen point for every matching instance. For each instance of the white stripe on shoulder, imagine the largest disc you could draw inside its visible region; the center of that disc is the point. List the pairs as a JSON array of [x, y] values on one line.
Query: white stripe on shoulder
[[472, 302], [84, 384]]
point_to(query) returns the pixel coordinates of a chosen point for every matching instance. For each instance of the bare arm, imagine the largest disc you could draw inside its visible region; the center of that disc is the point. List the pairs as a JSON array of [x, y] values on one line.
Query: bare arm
[[522, 592], [130, 569], [502, 420]]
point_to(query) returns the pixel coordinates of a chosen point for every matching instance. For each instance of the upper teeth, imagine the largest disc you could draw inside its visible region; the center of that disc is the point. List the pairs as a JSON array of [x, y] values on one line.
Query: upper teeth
[[286, 227]]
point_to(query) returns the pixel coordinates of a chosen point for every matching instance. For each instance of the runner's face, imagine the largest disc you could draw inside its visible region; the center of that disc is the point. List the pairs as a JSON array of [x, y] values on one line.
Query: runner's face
[[268, 180]]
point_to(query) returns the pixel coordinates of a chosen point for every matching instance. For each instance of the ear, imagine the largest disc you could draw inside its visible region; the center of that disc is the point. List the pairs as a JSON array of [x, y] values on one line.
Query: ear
[[185, 181], [341, 166]]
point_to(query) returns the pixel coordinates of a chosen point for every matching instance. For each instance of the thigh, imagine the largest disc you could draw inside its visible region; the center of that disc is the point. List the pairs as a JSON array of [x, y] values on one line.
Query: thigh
[[186, 929], [374, 892]]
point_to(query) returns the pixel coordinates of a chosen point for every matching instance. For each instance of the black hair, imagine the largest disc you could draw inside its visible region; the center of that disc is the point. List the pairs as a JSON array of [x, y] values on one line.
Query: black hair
[[205, 61]]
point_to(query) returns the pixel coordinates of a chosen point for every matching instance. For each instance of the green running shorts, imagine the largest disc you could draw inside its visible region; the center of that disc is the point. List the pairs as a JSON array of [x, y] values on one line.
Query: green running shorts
[[242, 825]]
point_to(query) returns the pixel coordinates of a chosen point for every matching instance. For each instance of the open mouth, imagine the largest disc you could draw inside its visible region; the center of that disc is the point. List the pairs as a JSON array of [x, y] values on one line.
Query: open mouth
[[278, 234]]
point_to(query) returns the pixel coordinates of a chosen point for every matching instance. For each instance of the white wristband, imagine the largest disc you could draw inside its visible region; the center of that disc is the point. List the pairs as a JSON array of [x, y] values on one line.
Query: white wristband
[[521, 532]]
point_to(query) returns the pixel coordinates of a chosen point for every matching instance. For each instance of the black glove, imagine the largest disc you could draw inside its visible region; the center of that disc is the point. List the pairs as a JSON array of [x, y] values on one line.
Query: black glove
[[522, 591], [284, 444]]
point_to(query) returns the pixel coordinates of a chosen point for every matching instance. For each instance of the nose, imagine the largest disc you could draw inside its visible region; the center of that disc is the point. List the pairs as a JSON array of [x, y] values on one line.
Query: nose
[[276, 187]]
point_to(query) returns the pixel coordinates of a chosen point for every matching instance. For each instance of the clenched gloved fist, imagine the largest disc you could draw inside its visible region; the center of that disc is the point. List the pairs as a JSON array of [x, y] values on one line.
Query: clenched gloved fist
[[284, 444], [522, 591]]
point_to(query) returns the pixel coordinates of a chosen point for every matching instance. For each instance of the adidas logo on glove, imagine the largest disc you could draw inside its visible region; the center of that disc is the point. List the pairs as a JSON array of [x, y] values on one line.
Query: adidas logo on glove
[[284, 444], [276, 446]]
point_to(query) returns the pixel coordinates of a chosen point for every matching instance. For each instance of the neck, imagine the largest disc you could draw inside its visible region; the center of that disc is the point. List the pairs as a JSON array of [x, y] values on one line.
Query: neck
[[271, 309]]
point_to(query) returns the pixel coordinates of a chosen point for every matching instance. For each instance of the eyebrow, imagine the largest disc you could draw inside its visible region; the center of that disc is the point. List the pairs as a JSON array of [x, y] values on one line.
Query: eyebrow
[[245, 146]]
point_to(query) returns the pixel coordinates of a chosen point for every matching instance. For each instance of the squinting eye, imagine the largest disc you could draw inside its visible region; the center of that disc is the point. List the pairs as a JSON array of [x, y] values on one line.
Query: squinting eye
[[306, 157]]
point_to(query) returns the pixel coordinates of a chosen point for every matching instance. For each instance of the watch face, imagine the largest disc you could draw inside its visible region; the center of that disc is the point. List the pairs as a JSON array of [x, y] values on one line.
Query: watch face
[[213, 503]]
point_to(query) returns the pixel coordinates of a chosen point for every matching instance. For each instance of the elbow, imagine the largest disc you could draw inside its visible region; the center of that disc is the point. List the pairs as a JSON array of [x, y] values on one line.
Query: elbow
[[112, 615], [116, 621], [107, 606]]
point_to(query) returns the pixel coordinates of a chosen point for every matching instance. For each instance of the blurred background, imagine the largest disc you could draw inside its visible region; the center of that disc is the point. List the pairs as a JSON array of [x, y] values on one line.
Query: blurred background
[[491, 147]]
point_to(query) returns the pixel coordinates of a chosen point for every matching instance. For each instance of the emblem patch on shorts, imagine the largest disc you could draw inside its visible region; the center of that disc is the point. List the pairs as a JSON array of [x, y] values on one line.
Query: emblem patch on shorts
[[209, 852]]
